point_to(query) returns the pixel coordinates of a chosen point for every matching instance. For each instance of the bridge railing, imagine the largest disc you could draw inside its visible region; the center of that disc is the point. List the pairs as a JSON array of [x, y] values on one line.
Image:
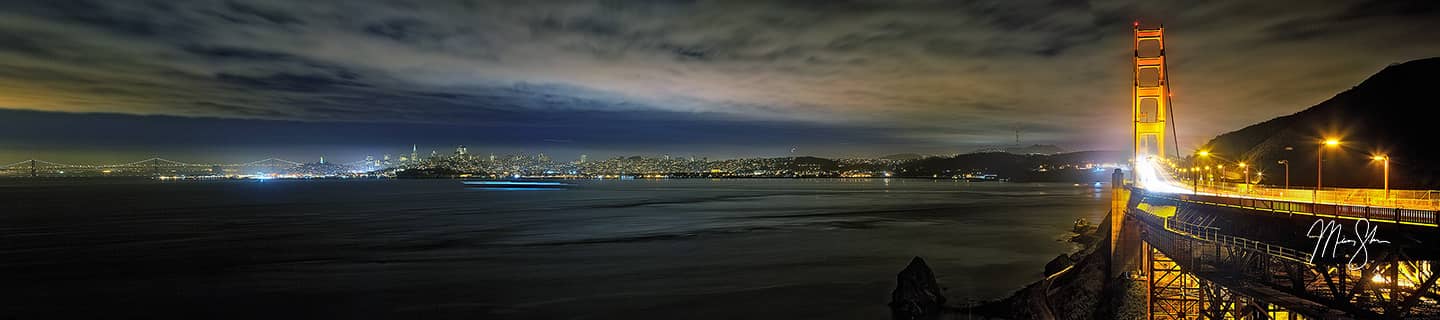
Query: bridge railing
[[1406, 199], [1213, 234], [1374, 214]]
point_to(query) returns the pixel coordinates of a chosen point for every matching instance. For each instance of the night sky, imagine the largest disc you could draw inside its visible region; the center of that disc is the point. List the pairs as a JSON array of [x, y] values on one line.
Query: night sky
[[234, 80]]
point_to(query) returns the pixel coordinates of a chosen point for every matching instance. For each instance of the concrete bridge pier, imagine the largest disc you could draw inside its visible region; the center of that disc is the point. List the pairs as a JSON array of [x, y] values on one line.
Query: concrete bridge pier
[[1127, 258]]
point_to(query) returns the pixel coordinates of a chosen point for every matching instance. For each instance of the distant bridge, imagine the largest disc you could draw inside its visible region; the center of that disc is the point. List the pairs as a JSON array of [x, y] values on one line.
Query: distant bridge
[[151, 162], [1208, 249], [156, 165]]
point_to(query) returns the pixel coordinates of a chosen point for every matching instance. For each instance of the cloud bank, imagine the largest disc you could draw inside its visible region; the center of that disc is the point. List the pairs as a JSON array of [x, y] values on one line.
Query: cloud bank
[[928, 76]]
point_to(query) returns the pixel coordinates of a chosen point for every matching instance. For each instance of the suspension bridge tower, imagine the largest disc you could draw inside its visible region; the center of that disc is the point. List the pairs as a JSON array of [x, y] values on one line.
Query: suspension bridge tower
[[1150, 103], [1149, 109]]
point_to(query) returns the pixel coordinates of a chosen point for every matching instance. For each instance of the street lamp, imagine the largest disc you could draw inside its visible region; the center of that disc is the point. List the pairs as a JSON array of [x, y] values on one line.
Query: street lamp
[[1385, 159], [1319, 170], [1206, 176], [1219, 171], [1245, 175], [1202, 154], [1195, 179], [1286, 163]]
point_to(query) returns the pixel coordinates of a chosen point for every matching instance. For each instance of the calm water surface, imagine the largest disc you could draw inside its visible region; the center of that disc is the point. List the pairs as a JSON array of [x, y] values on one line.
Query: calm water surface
[[699, 249]]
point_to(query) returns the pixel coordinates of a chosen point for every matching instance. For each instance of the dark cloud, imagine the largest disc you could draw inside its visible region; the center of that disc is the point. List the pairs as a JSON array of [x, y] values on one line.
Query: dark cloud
[[601, 133], [238, 53], [938, 76], [251, 13]]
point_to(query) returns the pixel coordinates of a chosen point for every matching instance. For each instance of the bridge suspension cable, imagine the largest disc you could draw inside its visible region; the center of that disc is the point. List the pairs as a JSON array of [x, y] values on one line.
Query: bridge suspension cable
[[154, 160], [258, 162], [41, 162], [151, 162], [15, 164]]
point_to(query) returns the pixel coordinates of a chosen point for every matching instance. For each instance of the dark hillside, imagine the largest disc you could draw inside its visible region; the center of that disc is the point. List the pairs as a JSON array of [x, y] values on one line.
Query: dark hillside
[[1394, 112]]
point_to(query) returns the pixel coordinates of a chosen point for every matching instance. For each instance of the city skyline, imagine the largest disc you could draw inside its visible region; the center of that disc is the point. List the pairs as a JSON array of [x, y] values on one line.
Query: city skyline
[[426, 151], [217, 79], [461, 162]]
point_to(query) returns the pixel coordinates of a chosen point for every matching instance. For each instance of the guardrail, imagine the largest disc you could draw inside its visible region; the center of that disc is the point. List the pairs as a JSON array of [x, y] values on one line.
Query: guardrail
[[1405, 199], [1212, 234], [1374, 214]]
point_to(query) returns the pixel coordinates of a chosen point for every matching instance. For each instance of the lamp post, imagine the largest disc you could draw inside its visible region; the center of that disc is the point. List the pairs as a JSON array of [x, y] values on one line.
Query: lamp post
[[1202, 154], [1385, 160], [1245, 175], [1219, 171], [1195, 180], [1210, 178], [1319, 169], [1286, 163]]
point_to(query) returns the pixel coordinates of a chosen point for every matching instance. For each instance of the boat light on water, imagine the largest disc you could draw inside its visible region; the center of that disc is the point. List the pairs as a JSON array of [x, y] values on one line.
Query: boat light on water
[[515, 185]]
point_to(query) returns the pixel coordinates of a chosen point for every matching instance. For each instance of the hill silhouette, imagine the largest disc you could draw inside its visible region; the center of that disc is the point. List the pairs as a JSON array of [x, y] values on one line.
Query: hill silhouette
[[1386, 114], [1015, 166], [903, 156]]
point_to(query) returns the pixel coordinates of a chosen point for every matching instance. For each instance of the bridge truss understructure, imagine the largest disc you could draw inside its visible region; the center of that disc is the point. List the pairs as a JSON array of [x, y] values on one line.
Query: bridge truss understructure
[[1196, 271]]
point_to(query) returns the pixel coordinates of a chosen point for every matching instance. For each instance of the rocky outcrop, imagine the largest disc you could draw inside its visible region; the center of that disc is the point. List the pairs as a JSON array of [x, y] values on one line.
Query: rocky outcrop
[[1081, 292], [1057, 264], [917, 295]]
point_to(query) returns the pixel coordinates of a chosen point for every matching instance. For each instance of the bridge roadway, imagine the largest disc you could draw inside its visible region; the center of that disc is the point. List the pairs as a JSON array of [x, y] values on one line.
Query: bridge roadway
[[147, 163], [1413, 207], [152, 166], [1216, 256]]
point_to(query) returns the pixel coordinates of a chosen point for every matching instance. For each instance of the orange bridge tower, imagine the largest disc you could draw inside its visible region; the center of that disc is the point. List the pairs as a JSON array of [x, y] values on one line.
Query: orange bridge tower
[[1150, 104]]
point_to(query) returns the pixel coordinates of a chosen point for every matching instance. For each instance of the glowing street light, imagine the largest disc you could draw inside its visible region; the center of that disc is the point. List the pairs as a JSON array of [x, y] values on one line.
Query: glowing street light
[[1385, 159], [1286, 163], [1219, 171], [1245, 175], [1195, 185], [1319, 170]]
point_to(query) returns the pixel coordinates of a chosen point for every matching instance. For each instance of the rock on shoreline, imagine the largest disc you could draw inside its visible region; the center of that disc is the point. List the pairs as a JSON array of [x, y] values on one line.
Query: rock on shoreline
[[1075, 287], [917, 295]]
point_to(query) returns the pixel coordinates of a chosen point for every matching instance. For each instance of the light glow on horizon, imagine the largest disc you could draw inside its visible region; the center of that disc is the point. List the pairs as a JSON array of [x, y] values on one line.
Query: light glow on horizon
[[1148, 175]]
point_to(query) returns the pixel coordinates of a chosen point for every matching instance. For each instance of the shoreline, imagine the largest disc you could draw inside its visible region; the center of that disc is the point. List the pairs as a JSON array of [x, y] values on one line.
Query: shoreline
[[1075, 287]]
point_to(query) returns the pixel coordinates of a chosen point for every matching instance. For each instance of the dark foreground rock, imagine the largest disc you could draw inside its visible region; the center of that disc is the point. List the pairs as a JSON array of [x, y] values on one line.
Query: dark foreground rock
[[1081, 292], [917, 295], [1084, 291], [1058, 264]]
